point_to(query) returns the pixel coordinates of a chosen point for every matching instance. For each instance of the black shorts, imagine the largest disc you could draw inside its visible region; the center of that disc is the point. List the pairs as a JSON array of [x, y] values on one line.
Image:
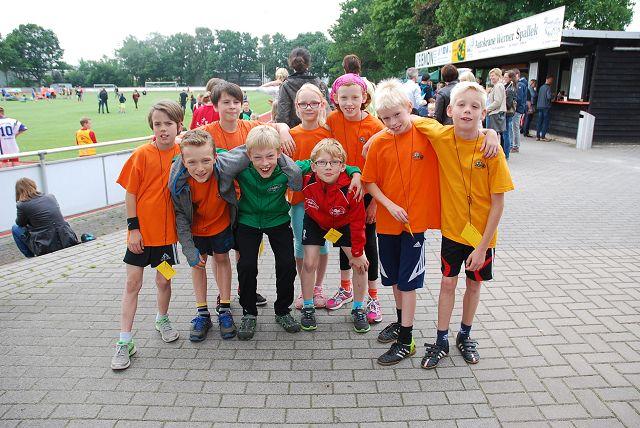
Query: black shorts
[[153, 256], [313, 234], [453, 256], [219, 244]]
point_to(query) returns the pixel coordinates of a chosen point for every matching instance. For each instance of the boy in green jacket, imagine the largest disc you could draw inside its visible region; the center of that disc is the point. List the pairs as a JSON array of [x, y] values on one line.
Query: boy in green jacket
[[263, 209]]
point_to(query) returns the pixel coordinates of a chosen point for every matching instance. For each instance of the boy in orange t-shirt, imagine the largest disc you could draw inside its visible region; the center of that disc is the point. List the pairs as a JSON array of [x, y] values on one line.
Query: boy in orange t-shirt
[[473, 191], [401, 173], [151, 222]]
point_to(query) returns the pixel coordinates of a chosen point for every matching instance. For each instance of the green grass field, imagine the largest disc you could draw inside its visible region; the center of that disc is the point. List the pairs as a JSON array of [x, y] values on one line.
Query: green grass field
[[54, 123]]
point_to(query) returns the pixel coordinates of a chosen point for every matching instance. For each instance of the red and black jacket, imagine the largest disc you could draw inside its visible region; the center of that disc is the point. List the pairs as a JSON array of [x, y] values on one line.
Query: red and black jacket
[[333, 206]]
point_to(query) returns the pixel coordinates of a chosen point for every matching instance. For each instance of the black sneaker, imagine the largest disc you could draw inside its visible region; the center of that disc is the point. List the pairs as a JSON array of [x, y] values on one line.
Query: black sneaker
[[287, 322], [433, 355], [247, 327], [468, 348], [360, 322], [397, 352], [308, 319], [389, 333], [260, 300]]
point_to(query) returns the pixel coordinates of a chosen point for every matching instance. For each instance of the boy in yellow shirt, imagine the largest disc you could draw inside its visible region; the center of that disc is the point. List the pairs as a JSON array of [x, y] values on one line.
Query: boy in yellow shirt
[[472, 199], [85, 136]]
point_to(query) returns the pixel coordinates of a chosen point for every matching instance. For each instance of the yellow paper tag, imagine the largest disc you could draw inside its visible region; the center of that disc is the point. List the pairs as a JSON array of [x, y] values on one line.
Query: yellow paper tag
[[166, 270], [333, 235], [261, 249], [408, 226], [471, 235]]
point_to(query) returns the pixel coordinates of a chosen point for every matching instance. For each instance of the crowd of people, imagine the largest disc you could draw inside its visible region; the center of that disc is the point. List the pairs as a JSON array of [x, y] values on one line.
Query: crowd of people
[[324, 172]]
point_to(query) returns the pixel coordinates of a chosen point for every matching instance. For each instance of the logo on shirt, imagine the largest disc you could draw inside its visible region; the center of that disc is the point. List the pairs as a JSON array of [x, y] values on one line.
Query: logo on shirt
[[417, 156], [337, 211], [479, 164], [274, 188], [310, 203]]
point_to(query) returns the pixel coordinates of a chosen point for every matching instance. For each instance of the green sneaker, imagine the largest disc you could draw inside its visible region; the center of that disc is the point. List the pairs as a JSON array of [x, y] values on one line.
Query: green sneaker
[[360, 322], [288, 323], [308, 318], [247, 327], [167, 332], [122, 358]]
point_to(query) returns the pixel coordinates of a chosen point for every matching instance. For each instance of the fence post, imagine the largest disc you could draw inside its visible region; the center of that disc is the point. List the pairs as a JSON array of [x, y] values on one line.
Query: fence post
[[43, 172]]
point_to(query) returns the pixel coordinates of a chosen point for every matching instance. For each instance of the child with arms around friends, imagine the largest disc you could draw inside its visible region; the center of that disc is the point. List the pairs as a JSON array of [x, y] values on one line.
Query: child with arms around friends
[[204, 199], [151, 238], [352, 126]]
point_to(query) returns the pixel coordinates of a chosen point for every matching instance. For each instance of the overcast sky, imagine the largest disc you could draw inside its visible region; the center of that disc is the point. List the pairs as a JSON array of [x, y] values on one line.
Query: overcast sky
[[90, 29]]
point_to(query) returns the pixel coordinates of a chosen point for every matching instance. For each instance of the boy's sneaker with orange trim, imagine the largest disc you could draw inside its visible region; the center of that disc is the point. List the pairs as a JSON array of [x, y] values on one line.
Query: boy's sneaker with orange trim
[[341, 297]]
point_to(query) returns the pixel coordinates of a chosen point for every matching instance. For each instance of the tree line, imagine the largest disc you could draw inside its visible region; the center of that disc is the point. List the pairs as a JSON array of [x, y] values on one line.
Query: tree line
[[385, 34]]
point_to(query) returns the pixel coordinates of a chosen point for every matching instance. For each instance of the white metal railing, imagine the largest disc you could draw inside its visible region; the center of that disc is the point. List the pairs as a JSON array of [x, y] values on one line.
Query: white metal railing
[[80, 184]]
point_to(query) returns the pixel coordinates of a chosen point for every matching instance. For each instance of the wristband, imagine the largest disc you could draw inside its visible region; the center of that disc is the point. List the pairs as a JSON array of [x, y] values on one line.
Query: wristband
[[133, 223]]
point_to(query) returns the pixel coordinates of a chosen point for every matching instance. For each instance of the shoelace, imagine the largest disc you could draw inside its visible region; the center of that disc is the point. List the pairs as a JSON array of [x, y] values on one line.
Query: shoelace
[[287, 321], [122, 350], [373, 305], [246, 322], [225, 319], [199, 323], [164, 324], [360, 315], [307, 312]]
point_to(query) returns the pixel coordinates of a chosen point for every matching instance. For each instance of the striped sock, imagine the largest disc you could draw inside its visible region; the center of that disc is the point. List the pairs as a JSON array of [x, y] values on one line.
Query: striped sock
[[345, 284], [373, 293], [225, 305], [203, 309], [307, 303]]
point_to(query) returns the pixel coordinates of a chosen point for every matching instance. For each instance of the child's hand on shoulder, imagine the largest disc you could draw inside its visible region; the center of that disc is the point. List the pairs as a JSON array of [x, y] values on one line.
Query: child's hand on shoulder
[[134, 242], [490, 144]]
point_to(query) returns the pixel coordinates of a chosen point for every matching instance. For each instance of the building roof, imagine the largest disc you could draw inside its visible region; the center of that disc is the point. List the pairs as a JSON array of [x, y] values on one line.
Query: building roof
[[600, 34]]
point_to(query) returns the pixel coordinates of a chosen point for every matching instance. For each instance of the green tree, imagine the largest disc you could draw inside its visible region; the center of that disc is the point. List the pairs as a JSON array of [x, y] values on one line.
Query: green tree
[[273, 52], [426, 19], [238, 53], [37, 51], [8, 57], [139, 59], [178, 58], [205, 56], [460, 21], [350, 37]]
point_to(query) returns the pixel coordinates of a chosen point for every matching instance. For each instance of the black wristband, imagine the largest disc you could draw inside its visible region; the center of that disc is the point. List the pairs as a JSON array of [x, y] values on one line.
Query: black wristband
[[133, 223]]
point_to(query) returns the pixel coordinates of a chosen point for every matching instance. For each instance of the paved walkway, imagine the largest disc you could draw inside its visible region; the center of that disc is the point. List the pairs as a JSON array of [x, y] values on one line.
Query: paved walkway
[[558, 330]]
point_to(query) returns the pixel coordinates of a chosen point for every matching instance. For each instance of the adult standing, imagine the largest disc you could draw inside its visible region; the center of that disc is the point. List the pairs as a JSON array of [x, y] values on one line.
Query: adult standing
[[40, 228], [545, 95], [351, 64], [299, 61], [9, 130], [412, 89], [449, 74], [532, 100], [183, 99], [522, 107], [510, 85], [103, 96], [135, 96], [497, 104]]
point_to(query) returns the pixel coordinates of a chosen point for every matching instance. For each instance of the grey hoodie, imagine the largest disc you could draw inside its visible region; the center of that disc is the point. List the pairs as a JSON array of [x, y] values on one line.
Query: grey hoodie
[[287, 95]]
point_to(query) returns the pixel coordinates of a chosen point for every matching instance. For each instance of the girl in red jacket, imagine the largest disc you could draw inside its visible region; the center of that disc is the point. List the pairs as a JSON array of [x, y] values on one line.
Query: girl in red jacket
[[334, 214]]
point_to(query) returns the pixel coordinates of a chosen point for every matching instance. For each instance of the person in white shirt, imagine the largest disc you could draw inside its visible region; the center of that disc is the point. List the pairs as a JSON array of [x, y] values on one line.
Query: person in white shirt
[[412, 89], [9, 130]]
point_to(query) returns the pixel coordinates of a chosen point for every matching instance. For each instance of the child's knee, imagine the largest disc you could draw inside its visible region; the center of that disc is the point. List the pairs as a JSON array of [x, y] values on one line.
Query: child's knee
[[162, 283], [222, 259], [133, 284], [310, 264], [448, 284], [473, 286]]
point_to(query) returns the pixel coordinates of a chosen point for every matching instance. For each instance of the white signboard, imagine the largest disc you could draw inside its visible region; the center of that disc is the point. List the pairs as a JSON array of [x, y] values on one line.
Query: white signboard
[[577, 78], [542, 31], [533, 71]]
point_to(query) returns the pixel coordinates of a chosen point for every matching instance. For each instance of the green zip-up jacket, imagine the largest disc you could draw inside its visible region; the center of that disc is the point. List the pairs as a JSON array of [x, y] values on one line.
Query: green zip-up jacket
[[263, 203]]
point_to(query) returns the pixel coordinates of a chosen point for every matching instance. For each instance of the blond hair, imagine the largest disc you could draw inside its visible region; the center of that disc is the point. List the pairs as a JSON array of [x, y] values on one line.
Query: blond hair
[[263, 137], [461, 87], [496, 71], [26, 189], [322, 110], [196, 138], [170, 108], [467, 76], [282, 74], [389, 94], [330, 146]]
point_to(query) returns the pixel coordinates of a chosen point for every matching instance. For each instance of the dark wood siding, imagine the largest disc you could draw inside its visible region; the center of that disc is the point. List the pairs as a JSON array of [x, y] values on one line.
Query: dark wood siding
[[615, 94]]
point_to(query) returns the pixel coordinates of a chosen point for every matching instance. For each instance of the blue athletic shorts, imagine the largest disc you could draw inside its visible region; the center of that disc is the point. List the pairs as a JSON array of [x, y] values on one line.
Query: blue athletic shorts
[[402, 260], [219, 244]]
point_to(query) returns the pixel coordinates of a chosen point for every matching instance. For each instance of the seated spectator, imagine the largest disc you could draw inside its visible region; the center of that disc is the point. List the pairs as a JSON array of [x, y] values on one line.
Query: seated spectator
[[40, 228]]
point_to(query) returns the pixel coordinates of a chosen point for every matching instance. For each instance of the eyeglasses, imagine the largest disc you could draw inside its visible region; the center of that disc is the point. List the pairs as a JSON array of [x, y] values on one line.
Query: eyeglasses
[[313, 105], [324, 163]]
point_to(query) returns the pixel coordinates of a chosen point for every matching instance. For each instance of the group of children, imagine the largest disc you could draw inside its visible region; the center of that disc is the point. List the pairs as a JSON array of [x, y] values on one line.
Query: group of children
[[369, 186]]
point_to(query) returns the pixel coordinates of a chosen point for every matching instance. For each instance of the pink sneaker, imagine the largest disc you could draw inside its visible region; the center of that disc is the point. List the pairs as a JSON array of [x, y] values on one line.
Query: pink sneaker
[[374, 312], [299, 302], [341, 297], [319, 300]]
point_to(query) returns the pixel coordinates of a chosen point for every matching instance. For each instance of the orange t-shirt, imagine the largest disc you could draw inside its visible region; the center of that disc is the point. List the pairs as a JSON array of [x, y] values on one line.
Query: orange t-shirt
[[230, 140], [482, 177], [353, 135], [210, 211], [405, 168], [305, 140], [146, 175]]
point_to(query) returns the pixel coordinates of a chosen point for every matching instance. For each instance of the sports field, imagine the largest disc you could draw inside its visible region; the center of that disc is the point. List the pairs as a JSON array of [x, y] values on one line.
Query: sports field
[[54, 123]]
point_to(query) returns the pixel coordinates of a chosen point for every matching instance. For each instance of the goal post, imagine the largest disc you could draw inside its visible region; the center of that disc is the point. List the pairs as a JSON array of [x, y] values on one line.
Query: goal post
[[150, 84]]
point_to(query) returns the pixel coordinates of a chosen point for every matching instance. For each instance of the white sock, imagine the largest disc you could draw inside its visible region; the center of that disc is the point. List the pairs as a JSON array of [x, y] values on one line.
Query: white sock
[[126, 336], [159, 315]]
